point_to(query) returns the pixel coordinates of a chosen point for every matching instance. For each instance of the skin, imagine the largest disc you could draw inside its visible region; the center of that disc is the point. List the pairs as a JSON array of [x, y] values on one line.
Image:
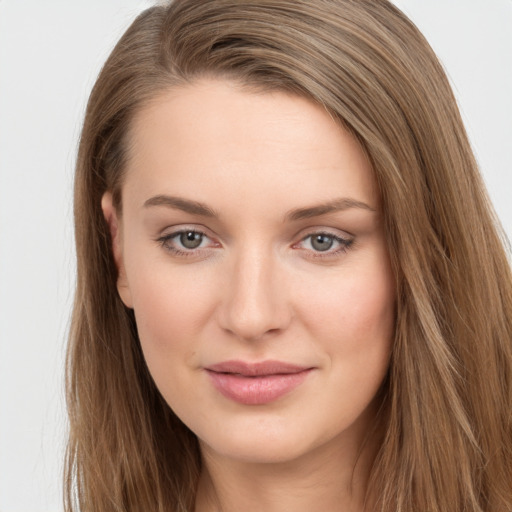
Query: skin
[[257, 288]]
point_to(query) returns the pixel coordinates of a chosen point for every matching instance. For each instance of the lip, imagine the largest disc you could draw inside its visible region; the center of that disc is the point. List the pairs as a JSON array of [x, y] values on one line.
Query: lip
[[256, 383]]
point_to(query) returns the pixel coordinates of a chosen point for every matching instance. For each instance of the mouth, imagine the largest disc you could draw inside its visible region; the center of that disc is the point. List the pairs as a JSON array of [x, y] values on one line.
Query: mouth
[[256, 383]]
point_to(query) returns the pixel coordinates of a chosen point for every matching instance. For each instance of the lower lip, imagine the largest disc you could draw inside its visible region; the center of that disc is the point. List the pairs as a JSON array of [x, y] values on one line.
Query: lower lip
[[256, 390]]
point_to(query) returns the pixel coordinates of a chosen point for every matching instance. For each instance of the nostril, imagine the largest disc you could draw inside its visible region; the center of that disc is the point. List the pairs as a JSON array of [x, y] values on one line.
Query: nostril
[[253, 325], [253, 304]]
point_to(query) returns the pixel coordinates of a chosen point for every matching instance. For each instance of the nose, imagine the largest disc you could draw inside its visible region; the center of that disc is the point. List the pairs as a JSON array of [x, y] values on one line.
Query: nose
[[254, 301]]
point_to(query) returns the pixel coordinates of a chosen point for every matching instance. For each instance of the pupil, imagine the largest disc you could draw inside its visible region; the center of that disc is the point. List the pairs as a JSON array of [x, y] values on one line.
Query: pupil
[[191, 239], [322, 242]]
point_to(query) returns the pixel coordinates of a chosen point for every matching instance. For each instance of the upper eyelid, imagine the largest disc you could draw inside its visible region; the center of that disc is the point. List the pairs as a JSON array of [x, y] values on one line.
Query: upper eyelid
[[320, 230], [311, 229], [172, 231], [326, 233], [179, 228]]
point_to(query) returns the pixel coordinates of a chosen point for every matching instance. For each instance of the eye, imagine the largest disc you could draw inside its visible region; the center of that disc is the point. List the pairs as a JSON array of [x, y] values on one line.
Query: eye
[[185, 242], [324, 244]]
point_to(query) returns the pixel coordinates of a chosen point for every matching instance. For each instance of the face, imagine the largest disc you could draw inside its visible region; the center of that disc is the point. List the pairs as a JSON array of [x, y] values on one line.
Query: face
[[251, 249]]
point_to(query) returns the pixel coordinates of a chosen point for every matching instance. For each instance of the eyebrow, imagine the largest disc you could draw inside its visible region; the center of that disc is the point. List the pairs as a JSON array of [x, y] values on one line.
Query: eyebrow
[[178, 203], [197, 208], [336, 205]]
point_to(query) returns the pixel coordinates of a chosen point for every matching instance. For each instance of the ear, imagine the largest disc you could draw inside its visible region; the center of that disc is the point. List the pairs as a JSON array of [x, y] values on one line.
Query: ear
[[113, 221]]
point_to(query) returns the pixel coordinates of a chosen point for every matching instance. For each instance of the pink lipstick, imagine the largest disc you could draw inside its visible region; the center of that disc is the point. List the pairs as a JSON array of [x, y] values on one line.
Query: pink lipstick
[[256, 383]]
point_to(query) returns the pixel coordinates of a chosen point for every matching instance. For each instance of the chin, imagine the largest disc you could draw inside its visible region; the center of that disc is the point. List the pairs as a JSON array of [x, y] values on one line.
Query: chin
[[251, 450], [264, 441]]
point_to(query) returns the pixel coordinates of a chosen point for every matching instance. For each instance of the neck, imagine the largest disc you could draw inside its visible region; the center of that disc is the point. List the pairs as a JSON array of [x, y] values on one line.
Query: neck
[[332, 477]]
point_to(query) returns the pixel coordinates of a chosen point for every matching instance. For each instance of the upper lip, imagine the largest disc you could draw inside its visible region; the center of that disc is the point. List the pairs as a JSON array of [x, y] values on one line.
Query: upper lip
[[256, 369]]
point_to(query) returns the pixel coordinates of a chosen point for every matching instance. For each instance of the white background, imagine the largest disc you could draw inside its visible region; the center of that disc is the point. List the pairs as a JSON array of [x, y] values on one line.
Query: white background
[[50, 54]]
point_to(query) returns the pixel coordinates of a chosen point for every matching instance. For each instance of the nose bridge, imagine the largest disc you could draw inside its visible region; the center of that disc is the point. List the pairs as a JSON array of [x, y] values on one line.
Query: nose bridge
[[254, 302]]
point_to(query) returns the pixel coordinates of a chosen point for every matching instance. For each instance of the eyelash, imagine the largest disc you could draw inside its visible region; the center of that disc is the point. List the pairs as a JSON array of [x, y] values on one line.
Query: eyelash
[[344, 244], [165, 242]]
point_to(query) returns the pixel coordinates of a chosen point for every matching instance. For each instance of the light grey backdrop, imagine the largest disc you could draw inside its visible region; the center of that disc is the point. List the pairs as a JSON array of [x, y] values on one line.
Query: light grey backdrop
[[50, 53]]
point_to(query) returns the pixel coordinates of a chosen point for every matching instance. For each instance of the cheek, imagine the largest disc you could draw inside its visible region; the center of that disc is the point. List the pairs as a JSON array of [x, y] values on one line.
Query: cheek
[[171, 308], [352, 302], [353, 316], [369, 309]]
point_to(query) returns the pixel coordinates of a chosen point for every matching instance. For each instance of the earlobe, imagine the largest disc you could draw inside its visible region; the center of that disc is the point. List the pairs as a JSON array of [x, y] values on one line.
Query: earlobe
[[113, 221]]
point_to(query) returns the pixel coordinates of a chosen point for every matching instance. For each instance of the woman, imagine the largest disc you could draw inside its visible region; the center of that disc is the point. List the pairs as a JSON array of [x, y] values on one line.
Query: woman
[[292, 293]]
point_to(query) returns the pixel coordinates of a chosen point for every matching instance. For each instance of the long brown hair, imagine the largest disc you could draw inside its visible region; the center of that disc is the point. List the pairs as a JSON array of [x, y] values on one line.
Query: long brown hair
[[448, 396]]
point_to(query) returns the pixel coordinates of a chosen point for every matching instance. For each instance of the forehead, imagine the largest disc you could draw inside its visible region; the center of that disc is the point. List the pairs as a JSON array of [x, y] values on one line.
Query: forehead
[[212, 140]]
